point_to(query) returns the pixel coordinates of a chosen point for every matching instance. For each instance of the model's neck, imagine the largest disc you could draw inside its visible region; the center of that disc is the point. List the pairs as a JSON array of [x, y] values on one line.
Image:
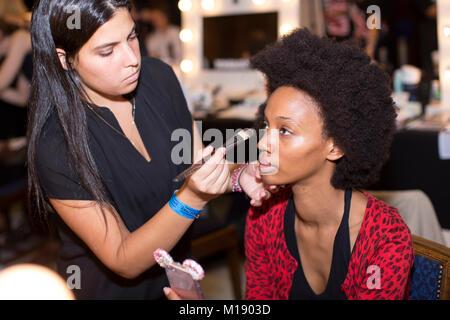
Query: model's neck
[[318, 205]]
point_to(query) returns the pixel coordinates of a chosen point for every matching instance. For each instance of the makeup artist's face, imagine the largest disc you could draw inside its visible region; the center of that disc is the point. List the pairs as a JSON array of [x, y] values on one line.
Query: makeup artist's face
[[294, 148], [109, 63]]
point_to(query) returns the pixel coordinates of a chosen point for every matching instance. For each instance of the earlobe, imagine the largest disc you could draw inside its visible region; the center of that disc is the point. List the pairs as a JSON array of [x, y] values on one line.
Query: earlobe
[[335, 152], [62, 58]]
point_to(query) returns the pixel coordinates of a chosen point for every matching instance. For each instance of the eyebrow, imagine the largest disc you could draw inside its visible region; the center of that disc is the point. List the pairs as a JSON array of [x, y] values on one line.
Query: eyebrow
[[115, 42], [288, 119]]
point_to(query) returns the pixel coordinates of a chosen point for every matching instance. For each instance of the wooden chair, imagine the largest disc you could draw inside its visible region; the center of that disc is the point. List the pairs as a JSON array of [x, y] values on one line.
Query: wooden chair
[[431, 271]]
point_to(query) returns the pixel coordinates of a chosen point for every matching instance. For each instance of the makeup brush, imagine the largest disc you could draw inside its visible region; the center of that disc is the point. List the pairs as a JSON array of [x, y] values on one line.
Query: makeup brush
[[238, 138]]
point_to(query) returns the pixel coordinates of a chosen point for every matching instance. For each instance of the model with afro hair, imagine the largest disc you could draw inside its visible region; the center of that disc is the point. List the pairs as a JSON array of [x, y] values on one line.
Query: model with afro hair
[[353, 95], [330, 120]]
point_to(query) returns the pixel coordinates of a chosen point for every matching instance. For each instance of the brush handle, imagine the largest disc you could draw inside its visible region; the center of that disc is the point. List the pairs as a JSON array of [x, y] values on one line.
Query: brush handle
[[228, 146]]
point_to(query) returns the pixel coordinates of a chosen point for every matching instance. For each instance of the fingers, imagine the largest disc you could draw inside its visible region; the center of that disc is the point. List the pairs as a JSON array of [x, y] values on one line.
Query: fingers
[[210, 166], [260, 198], [215, 169], [213, 177], [204, 152], [253, 169], [216, 183], [255, 203], [170, 294], [274, 188], [258, 172]]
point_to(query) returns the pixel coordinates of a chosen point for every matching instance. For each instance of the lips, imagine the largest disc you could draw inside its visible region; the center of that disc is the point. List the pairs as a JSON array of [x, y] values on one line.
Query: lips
[[133, 77], [266, 167], [264, 163]]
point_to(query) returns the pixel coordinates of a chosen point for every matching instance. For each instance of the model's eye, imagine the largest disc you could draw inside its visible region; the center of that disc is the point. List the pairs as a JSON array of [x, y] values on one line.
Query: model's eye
[[284, 131]]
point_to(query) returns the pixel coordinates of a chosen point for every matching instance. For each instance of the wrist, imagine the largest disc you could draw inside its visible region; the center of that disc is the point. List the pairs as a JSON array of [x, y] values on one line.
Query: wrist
[[183, 209], [190, 198], [235, 179]]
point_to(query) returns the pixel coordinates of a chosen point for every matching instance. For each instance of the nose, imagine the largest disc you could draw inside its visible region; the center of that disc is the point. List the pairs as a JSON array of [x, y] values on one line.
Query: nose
[[262, 144], [269, 141], [131, 56]]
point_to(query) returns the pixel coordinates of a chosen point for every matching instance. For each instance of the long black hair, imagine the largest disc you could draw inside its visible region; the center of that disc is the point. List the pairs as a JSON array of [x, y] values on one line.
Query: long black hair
[[56, 90]]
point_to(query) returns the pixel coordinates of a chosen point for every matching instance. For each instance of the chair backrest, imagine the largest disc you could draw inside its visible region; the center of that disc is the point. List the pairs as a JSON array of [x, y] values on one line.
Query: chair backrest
[[431, 271]]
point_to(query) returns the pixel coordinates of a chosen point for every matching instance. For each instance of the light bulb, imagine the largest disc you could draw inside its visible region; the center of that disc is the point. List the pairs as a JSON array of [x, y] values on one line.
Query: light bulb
[[186, 65], [184, 5], [186, 35], [259, 2], [208, 4], [286, 28], [447, 31], [447, 73]]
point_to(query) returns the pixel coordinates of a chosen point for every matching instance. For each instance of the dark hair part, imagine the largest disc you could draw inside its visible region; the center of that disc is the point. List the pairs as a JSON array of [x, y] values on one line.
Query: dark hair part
[[353, 95], [55, 89]]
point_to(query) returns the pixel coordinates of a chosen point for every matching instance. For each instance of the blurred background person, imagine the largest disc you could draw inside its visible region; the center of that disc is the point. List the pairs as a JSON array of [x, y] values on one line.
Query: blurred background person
[[344, 20], [15, 67], [162, 39], [15, 12], [348, 20], [426, 11]]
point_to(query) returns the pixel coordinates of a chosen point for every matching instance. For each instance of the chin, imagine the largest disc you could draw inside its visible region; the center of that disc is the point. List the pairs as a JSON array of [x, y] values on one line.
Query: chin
[[272, 179], [130, 88], [278, 179]]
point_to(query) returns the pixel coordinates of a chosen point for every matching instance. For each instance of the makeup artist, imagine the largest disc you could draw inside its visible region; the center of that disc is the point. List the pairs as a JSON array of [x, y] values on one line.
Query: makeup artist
[[100, 125]]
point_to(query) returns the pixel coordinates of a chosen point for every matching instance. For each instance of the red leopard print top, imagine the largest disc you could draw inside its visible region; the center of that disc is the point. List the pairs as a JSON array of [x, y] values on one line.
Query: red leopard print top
[[379, 267]]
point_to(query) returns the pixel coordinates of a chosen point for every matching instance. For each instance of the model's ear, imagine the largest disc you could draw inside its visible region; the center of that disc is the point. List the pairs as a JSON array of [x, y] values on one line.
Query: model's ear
[[334, 151], [62, 58]]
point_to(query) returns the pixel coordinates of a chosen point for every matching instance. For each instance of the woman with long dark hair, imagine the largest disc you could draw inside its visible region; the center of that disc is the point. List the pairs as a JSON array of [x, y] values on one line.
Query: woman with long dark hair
[[100, 127]]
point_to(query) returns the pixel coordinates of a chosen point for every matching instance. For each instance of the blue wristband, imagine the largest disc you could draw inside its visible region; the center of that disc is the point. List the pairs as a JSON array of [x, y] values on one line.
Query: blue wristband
[[183, 209]]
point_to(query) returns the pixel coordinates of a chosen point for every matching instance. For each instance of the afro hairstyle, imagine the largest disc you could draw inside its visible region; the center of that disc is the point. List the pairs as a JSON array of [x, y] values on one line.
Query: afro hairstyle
[[353, 95]]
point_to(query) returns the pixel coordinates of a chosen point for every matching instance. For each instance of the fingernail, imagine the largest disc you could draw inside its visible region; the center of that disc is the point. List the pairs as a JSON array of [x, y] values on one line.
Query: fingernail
[[166, 291]]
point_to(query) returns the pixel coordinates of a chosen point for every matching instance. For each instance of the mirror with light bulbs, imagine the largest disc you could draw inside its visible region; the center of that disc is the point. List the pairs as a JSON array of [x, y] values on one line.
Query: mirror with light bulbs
[[220, 35], [246, 34]]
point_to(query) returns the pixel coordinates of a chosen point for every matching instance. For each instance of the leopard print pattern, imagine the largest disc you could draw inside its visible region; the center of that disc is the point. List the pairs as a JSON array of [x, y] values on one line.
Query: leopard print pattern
[[380, 266]]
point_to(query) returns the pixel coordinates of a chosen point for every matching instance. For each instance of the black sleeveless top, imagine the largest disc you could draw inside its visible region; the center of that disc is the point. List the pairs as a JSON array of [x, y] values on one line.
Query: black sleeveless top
[[300, 289], [136, 188]]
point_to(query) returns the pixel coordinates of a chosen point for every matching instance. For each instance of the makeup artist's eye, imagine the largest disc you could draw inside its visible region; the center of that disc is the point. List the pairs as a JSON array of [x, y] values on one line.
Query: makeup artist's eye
[[106, 54], [133, 36]]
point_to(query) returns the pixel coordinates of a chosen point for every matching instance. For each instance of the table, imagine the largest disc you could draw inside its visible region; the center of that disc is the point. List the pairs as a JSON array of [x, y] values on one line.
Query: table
[[414, 164]]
